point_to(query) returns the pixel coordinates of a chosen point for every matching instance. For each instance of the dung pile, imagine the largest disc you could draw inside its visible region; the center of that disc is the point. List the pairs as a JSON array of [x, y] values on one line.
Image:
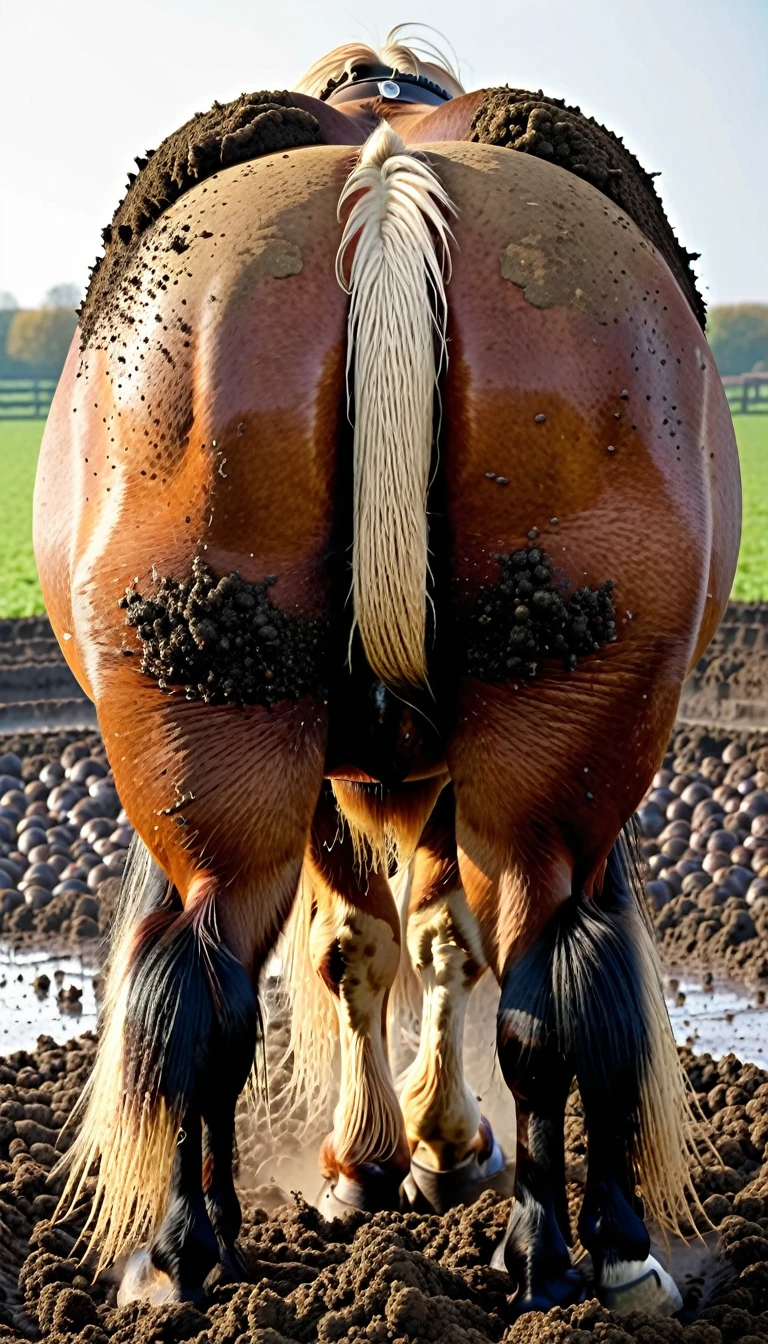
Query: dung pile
[[371, 1278]]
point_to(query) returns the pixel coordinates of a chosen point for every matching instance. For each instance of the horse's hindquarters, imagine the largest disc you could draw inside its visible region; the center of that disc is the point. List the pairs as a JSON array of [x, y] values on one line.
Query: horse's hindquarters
[[583, 418]]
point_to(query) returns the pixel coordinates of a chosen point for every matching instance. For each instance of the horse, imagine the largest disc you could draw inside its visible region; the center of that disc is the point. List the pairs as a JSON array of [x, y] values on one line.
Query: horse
[[388, 495]]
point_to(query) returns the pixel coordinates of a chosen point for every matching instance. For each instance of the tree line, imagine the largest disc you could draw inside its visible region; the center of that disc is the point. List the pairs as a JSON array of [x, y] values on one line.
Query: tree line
[[34, 342]]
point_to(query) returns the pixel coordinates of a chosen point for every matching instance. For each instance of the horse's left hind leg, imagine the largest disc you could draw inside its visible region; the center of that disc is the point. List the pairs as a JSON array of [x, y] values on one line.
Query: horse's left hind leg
[[355, 949]]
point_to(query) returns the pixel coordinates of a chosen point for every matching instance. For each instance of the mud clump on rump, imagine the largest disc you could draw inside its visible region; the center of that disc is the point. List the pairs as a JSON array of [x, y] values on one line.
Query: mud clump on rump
[[513, 624], [225, 642]]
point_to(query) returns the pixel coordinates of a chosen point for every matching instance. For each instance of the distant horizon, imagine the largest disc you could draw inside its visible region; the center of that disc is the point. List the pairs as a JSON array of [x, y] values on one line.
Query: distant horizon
[[682, 81]]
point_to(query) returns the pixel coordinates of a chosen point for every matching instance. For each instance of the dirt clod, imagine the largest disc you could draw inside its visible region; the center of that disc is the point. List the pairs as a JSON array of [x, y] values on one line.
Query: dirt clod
[[230, 133], [548, 128], [225, 641], [510, 626], [388, 1276]]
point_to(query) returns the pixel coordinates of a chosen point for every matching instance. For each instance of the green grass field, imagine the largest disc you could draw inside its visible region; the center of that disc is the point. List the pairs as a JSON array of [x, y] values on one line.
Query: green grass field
[[20, 441], [19, 445], [751, 583]]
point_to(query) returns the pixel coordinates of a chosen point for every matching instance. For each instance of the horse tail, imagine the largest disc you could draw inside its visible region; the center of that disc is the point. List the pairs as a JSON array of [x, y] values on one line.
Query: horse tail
[[395, 347], [301, 1079], [173, 992], [610, 1011]]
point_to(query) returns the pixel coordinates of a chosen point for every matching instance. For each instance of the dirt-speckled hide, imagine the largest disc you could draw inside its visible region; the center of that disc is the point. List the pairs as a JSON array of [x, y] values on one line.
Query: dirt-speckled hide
[[549, 129]]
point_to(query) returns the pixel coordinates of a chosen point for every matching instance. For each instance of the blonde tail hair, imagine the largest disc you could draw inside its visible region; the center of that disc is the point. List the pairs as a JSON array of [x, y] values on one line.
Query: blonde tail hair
[[397, 309]]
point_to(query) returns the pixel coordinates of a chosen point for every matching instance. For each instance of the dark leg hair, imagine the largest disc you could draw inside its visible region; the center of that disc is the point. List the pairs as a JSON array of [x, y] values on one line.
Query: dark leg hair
[[585, 997], [185, 1246], [539, 1074], [615, 1029], [224, 1080], [193, 999]]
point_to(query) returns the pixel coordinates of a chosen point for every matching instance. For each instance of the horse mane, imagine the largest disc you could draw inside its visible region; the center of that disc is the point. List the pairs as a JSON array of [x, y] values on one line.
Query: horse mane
[[415, 56]]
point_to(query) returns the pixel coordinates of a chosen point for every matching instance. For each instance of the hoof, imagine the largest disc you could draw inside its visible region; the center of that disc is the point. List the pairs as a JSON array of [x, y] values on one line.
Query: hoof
[[232, 1267], [375, 1192], [639, 1285], [426, 1190], [565, 1291], [142, 1282]]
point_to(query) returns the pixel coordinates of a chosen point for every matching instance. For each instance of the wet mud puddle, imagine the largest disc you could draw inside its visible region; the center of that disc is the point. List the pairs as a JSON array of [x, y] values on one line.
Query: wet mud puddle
[[41, 994], [719, 1018], [45, 995]]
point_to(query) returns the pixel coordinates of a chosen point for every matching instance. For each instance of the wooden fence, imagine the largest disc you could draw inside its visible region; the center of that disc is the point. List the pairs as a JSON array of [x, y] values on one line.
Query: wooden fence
[[30, 398], [747, 391], [26, 398]]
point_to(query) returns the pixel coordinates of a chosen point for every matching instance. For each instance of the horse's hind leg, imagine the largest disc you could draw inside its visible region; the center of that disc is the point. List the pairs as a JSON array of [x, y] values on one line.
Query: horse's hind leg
[[579, 986], [453, 1153], [618, 1063], [354, 946], [538, 1070], [228, 815], [189, 1035]]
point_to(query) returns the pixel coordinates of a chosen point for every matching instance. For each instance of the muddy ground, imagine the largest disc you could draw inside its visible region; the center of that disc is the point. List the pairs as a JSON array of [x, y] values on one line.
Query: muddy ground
[[730, 681], [704, 836], [372, 1278]]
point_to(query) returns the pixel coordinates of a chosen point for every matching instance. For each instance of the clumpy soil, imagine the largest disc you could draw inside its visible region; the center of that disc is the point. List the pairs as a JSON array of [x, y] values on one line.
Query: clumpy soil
[[230, 133], [225, 642], [374, 1277], [548, 128], [510, 626], [730, 681]]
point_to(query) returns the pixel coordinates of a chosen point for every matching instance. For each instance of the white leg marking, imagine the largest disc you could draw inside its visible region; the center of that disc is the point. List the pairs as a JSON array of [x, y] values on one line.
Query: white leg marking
[[441, 1112], [367, 1122], [142, 1282], [639, 1285]]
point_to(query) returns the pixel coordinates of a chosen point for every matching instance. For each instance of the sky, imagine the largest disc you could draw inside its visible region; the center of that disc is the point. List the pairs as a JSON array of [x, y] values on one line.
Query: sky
[[85, 85]]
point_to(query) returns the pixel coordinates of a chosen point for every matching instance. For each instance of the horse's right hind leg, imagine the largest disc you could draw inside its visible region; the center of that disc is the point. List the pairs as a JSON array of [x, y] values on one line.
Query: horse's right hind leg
[[580, 992]]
